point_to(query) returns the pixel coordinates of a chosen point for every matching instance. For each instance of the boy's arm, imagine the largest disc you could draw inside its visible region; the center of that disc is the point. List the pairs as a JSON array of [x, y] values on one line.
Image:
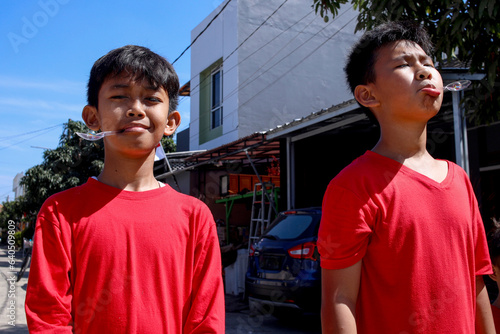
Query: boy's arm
[[49, 294], [207, 309], [340, 289], [484, 317]]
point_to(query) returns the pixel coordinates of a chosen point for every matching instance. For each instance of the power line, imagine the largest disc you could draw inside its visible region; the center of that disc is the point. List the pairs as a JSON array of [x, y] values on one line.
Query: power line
[[5, 195], [253, 32], [39, 133], [246, 83], [6, 138], [202, 82], [300, 62], [246, 39], [208, 25], [249, 80], [206, 79]]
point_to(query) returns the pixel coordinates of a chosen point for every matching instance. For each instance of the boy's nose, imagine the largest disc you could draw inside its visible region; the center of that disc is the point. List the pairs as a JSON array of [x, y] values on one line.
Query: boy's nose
[[136, 110], [424, 73]]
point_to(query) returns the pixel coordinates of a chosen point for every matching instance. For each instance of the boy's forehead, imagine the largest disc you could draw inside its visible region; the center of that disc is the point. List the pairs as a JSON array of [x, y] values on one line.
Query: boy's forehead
[[401, 48], [124, 80]]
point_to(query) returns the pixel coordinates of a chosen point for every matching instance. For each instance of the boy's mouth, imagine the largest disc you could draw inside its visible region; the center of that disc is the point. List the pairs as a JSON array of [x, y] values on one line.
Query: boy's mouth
[[431, 90], [133, 128]]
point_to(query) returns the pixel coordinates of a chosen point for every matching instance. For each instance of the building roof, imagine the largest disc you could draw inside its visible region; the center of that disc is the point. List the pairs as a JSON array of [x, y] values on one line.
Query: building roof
[[257, 145], [185, 90], [324, 120]]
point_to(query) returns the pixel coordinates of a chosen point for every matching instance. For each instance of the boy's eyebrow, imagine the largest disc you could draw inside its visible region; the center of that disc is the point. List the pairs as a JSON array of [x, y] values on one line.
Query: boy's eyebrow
[[120, 86], [412, 55], [124, 85]]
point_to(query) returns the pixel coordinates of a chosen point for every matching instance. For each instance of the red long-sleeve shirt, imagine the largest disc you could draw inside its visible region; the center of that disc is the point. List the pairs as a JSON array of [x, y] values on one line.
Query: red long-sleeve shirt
[[112, 261]]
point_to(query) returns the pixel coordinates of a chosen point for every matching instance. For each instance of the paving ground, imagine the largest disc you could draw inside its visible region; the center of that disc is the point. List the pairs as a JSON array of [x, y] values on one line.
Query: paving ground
[[239, 320], [12, 295]]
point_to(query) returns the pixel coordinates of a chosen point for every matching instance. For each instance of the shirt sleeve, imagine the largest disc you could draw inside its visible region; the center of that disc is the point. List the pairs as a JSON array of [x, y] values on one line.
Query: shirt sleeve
[[481, 256], [49, 293], [344, 231], [207, 311]]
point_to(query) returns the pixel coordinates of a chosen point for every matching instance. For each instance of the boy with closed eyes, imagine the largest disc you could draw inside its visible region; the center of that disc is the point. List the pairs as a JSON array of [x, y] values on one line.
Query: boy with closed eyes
[[402, 243]]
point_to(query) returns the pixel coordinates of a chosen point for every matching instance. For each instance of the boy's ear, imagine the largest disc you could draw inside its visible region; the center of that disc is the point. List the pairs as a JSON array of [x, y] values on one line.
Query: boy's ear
[[173, 122], [364, 95], [89, 116]]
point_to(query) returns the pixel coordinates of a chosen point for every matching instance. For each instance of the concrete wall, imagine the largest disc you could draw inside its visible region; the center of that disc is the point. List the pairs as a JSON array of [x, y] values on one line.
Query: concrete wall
[[16, 187], [293, 65], [218, 41], [288, 68]]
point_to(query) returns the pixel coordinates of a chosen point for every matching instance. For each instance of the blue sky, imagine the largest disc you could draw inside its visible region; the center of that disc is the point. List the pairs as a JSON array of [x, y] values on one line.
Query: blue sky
[[47, 48]]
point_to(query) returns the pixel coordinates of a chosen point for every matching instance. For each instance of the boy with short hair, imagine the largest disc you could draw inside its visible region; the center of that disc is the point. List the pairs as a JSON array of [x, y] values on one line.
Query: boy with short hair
[[124, 253], [401, 240]]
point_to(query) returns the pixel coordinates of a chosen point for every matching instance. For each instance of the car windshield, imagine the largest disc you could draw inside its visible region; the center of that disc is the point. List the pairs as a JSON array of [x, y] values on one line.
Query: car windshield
[[290, 226]]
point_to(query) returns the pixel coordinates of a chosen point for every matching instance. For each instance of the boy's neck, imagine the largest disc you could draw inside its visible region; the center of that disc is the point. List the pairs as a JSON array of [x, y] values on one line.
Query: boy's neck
[[402, 142], [129, 174], [407, 145]]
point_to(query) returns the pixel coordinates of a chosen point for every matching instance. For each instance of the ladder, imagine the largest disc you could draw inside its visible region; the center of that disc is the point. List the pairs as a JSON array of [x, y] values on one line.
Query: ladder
[[262, 209]]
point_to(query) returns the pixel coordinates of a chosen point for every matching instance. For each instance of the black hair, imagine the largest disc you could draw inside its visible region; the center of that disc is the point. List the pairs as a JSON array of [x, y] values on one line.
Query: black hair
[[139, 63], [494, 243], [359, 68]]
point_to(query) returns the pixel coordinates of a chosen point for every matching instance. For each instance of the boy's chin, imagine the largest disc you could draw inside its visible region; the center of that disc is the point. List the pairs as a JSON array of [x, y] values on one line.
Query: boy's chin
[[138, 150]]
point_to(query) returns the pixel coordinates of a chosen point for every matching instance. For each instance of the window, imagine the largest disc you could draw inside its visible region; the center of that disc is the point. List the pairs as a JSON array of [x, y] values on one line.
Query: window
[[291, 226], [211, 102], [216, 99]]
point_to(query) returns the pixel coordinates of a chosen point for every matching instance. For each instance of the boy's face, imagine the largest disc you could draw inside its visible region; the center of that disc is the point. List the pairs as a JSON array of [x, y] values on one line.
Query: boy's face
[[407, 86], [137, 110]]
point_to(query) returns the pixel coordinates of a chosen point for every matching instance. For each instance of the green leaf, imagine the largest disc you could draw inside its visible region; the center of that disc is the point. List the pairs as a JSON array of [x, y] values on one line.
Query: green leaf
[[491, 7], [482, 7], [412, 5]]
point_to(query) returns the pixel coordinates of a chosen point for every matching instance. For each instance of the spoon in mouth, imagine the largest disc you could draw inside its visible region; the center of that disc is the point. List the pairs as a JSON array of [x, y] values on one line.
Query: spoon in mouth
[[96, 136], [457, 86]]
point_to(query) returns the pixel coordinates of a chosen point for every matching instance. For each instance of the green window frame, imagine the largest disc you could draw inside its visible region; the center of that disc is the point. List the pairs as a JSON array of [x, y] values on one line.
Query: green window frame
[[211, 110]]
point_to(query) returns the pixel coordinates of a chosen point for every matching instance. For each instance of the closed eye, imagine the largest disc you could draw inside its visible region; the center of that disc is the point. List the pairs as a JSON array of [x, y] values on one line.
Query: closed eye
[[154, 99]]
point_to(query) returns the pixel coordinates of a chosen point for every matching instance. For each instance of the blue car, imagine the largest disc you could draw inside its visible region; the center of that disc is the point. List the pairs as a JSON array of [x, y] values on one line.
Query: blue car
[[284, 274]]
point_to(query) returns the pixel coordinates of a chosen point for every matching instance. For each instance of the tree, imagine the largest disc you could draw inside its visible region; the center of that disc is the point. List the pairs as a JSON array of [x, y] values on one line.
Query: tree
[[70, 164], [168, 144], [10, 211], [463, 29]]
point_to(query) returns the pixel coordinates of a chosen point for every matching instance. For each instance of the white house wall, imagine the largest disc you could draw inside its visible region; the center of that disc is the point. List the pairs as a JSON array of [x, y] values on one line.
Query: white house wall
[[290, 67], [299, 72], [218, 41]]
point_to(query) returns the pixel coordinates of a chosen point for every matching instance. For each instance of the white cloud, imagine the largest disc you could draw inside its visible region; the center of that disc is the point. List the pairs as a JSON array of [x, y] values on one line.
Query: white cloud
[[38, 104], [62, 86]]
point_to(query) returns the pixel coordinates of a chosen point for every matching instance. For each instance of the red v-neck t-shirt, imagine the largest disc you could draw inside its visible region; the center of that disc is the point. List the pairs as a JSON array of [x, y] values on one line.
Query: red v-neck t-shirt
[[422, 244]]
